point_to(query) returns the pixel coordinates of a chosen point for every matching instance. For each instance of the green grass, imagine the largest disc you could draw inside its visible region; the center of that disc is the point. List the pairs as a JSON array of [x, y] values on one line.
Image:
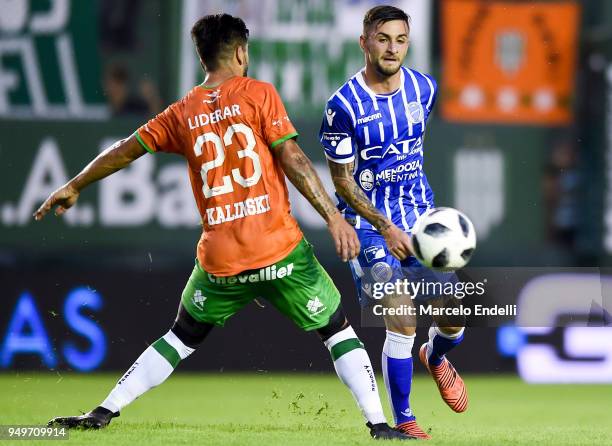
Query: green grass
[[312, 410]]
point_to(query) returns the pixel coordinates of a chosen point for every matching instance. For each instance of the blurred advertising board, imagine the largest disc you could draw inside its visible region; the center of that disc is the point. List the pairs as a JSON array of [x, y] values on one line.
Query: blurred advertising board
[[307, 49], [149, 205], [603, 65], [509, 62], [88, 320], [577, 346], [49, 64]]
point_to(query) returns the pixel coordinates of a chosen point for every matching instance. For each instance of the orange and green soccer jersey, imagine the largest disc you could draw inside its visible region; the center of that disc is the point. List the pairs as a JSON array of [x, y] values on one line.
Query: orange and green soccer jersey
[[226, 134]]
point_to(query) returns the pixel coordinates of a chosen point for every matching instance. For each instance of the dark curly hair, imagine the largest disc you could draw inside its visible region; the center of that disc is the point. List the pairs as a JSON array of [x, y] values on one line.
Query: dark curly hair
[[217, 35]]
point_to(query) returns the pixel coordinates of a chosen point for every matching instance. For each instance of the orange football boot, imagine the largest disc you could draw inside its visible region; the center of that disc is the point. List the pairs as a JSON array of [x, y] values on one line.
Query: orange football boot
[[413, 429], [451, 386]]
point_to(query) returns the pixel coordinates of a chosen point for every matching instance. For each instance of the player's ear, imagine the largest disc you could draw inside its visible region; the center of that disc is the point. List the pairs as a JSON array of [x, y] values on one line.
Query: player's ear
[[362, 42], [241, 55]]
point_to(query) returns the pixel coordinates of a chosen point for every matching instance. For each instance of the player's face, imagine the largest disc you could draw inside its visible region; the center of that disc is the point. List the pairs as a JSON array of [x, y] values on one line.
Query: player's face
[[385, 46]]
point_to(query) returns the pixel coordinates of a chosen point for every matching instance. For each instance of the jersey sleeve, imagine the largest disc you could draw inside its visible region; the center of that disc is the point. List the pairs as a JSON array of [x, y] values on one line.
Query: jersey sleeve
[[162, 133], [336, 134], [433, 93], [275, 123]]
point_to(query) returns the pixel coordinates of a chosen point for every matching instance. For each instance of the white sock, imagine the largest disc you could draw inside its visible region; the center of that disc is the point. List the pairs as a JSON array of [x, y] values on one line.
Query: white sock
[[151, 369], [354, 369], [434, 331], [398, 345]]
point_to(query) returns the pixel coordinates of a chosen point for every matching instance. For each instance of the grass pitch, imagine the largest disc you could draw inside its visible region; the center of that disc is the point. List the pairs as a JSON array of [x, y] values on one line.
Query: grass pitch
[[309, 410]]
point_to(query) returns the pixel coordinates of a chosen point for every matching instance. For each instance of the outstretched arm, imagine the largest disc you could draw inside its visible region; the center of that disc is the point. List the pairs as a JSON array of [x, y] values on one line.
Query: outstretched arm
[[397, 240], [114, 158], [303, 176]]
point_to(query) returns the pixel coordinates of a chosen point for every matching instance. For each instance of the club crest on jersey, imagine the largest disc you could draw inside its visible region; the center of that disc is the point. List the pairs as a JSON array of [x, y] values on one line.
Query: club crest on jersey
[[366, 179], [214, 97], [415, 111]]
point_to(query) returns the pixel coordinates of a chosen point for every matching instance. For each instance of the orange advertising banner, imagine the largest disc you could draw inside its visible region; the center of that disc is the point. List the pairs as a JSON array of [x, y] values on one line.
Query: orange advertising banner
[[509, 62]]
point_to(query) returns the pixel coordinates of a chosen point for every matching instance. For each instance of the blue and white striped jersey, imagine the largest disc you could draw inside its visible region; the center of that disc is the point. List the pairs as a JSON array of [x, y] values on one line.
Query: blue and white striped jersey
[[383, 135]]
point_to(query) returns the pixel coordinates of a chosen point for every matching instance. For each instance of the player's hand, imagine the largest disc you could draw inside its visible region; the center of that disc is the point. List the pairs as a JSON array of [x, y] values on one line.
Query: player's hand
[[345, 237], [398, 242], [64, 198]]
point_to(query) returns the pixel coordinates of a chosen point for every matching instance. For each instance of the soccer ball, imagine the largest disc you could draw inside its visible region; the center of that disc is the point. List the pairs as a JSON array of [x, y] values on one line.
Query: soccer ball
[[443, 239]]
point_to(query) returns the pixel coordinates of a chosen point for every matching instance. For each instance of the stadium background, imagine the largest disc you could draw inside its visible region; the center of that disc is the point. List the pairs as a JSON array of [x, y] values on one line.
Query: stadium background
[[521, 141]]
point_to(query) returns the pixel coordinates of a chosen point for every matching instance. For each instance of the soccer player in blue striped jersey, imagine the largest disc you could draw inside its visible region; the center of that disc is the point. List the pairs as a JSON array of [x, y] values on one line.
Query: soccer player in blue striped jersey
[[372, 133]]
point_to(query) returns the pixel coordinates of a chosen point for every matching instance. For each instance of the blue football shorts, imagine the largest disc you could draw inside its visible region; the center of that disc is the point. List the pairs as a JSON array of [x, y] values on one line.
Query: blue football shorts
[[375, 266]]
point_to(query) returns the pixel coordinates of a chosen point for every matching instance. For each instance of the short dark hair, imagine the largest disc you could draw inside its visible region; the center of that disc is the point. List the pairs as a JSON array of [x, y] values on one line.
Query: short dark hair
[[383, 14], [216, 35]]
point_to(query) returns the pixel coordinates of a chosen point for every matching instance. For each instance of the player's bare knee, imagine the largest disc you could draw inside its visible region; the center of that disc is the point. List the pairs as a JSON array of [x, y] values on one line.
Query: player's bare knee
[[397, 327], [450, 331], [404, 324]]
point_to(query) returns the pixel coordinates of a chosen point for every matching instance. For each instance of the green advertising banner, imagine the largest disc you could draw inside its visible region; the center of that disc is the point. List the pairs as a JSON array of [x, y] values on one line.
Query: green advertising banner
[[49, 63], [307, 49]]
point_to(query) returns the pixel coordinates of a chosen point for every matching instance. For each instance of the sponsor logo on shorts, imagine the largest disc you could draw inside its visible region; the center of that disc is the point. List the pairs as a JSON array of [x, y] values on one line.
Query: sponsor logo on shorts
[[198, 299], [382, 272], [374, 252], [263, 275], [315, 306]]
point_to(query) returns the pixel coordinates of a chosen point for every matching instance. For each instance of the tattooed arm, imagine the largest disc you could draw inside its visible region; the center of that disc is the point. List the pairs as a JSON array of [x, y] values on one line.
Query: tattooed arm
[[301, 173], [303, 176], [397, 240]]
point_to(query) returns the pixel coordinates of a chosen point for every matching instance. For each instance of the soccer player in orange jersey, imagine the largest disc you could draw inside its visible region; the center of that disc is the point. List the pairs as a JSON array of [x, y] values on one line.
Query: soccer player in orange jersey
[[239, 144]]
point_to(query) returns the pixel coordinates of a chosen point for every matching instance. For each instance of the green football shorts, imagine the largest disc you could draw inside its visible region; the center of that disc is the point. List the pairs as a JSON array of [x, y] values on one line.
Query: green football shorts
[[297, 286]]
